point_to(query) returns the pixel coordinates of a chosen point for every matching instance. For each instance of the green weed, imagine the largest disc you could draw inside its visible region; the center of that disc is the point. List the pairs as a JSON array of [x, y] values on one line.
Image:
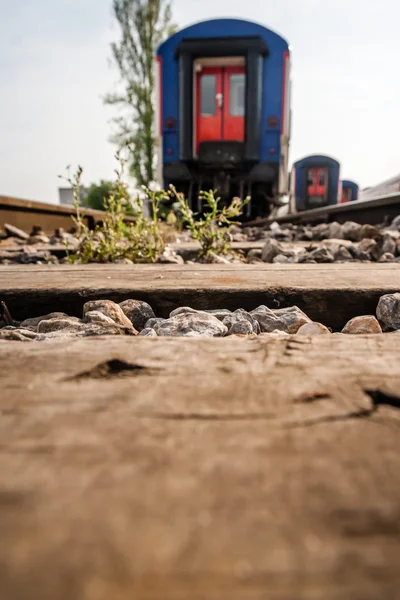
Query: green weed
[[211, 228]]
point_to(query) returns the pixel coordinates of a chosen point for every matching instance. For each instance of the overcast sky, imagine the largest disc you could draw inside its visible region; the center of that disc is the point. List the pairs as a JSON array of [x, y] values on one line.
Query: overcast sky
[[54, 70]]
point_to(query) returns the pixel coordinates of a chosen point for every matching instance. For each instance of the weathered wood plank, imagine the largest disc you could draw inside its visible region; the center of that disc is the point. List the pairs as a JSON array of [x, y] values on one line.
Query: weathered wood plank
[[328, 293], [201, 469]]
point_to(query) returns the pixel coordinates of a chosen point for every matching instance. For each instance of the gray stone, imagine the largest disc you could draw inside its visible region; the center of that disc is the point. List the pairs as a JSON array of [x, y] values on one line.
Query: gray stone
[[16, 335], [369, 231], [388, 311], [273, 334], [152, 322], [303, 233], [38, 239], [254, 256], [37, 258], [184, 310], [321, 232], [312, 329], [352, 231], [123, 261], [34, 321], [219, 313], [368, 246], [110, 309], [342, 253], [241, 322], [363, 256], [365, 324], [395, 224], [49, 325], [85, 330], [270, 250], [169, 256], [212, 258], [387, 257], [198, 324], [284, 319], [97, 317], [393, 234], [388, 244], [15, 232], [319, 255], [238, 326], [19, 332], [335, 230], [138, 312], [148, 332], [282, 259]]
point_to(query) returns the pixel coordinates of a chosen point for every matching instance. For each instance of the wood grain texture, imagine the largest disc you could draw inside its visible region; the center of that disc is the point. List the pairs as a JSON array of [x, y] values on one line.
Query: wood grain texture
[[200, 469], [332, 294]]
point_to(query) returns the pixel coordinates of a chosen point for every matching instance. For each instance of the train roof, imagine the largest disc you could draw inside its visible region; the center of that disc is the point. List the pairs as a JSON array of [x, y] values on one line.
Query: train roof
[[349, 182], [220, 28], [317, 160]]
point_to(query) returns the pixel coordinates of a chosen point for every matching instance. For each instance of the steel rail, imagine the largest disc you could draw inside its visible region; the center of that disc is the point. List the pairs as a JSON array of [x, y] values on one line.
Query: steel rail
[[375, 211]]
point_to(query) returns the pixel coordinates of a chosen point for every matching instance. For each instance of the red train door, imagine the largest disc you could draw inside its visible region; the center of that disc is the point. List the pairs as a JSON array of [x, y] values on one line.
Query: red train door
[[346, 195], [209, 104], [317, 185], [234, 101], [220, 104]]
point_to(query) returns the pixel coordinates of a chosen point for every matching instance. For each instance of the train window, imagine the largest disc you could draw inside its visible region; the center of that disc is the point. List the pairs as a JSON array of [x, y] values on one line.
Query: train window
[[322, 178], [208, 89], [310, 179], [236, 95]]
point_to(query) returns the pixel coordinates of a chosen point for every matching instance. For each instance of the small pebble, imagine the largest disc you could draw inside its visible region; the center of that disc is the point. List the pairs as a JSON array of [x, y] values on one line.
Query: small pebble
[[388, 311], [138, 312], [284, 319], [110, 309], [270, 250], [148, 332], [313, 329], [365, 324]]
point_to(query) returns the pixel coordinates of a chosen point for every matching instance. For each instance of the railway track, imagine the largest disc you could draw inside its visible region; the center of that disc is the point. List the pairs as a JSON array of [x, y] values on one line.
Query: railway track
[[371, 212], [220, 468], [25, 214]]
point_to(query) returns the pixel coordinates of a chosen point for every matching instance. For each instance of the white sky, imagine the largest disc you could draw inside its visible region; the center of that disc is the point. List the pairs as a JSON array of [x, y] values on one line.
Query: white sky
[[54, 65]]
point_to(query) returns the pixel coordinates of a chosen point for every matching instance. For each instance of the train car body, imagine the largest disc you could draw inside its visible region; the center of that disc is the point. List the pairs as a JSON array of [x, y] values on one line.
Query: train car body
[[314, 182], [349, 192], [223, 118]]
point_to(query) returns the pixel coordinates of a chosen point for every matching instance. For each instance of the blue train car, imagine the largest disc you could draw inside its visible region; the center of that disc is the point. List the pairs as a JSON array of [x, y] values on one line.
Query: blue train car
[[349, 191], [315, 182], [223, 118]]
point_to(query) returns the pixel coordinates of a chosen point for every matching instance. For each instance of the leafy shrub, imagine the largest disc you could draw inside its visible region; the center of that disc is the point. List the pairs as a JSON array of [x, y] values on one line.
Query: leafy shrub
[[210, 229], [139, 240]]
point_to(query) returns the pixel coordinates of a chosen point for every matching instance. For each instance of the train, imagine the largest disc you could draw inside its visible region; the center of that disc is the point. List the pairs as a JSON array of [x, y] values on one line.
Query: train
[[350, 191], [315, 182], [223, 116]]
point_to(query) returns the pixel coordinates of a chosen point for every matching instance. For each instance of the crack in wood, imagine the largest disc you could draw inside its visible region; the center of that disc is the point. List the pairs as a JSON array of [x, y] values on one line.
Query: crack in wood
[[112, 368]]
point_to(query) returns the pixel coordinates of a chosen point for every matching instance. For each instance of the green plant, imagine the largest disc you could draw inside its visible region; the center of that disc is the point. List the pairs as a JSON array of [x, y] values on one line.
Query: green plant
[[139, 240], [98, 194], [210, 229]]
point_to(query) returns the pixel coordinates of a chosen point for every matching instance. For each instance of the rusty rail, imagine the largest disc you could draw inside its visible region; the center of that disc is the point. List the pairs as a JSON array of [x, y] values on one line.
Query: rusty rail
[[375, 211], [25, 214]]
